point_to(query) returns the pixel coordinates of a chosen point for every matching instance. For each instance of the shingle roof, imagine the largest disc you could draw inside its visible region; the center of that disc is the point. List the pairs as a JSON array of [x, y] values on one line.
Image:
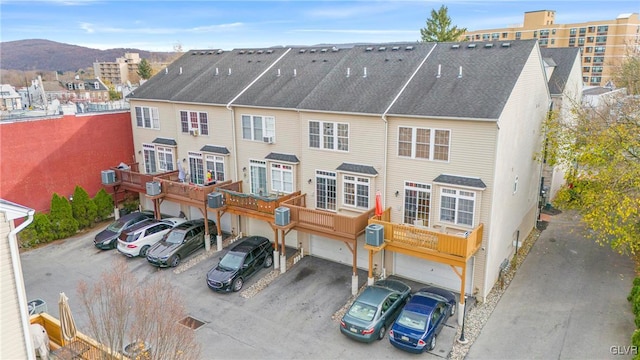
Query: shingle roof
[[165, 141], [283, 157], [564, 58], [363, 79], [356, 168], [215, 149], [460, 181]]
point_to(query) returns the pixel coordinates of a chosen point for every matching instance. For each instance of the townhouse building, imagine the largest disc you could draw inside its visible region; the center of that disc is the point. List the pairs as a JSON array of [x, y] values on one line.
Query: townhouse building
[[302, 139], [604, 44]]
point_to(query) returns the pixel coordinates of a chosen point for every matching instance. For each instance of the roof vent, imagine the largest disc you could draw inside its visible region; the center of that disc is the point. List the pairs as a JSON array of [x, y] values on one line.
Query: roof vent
[[260, 51], [488, 46], [471, 46], [409, 48], [368, 49], [324, 50], [202, 52], [250, 52], [382, 48], [302, 51], [334, 49], [506, 44], [313, 51], [395, 48], [241, 52], [269, 51], [219, 51], [455, 46], [194, 53], [210, 53]]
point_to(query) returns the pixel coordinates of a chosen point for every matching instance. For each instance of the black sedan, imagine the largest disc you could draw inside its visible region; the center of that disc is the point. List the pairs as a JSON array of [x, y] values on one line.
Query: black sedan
[[179, 243], [108, 238], [241, 262]]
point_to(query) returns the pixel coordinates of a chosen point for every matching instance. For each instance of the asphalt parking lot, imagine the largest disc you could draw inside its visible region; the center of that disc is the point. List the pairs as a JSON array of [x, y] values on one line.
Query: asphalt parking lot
[[289, 319]]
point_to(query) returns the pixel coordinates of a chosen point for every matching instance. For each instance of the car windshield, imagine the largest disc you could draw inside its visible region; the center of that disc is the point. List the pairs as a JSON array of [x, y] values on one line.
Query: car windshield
[[175, 237], [132, 237], [412, 320], [362, 311], [117, 226], [231, 261]]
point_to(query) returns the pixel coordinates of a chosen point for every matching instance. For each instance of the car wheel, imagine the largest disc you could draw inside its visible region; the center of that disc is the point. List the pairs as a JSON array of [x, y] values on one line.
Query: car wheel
[[175, 261], [453, 309], [268, 261], [143, 251], [383, 330], [237, 284], [432, 343]]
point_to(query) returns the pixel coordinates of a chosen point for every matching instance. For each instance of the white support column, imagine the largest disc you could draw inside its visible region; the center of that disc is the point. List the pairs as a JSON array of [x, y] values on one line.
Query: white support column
[[219, 242], [370, 281], [116, 213], [283, 264], [207, 242], [461, 312], [276, 260], [354, 284]]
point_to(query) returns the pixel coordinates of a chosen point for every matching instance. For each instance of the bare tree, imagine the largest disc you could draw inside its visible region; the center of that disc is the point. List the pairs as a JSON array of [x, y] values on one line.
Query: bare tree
[[123, 313]]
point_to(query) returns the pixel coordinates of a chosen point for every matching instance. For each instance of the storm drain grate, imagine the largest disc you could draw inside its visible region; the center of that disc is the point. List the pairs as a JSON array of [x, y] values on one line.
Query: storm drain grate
[[191, 323]]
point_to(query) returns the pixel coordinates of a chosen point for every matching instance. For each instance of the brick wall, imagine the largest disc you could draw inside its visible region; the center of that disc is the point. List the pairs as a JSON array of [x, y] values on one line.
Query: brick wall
[[42, 157]]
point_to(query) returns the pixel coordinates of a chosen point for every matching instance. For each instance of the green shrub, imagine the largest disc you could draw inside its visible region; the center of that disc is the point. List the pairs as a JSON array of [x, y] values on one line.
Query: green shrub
[[38, 232], [131, 203], [61, 215], [635, 340], [635, 289], [104, 205], [83, 208]]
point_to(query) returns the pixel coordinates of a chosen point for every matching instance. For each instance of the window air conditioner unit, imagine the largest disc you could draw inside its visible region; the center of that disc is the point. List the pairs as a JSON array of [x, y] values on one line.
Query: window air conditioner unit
[[194, 132], [153, 188], [108, 177], [268, 139]]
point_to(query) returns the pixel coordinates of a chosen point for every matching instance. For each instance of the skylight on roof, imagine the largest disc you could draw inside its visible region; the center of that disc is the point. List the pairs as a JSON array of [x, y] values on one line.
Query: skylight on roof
[[488, 45], [395, 48], [382, 48], [471, 46], [506, 44], [455, 46], [368, 49], [409, 48]]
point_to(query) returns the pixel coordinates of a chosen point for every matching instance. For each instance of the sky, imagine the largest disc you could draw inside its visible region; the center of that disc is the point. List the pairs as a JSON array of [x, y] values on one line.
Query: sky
[[164, 25]]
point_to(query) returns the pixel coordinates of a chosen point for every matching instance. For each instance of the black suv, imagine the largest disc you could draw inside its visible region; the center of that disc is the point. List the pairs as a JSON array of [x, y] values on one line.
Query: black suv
[[178, 243], [108, 238], [241, 262]]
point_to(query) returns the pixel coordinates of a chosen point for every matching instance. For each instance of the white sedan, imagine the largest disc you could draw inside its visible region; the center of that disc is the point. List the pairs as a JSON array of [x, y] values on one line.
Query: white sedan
[[138, 239]]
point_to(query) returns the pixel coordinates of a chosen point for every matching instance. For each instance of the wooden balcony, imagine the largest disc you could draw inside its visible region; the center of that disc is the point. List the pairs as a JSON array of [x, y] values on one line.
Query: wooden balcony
[[255, 206], [83, 346], [325, 223], [175, 190], [453, 249]]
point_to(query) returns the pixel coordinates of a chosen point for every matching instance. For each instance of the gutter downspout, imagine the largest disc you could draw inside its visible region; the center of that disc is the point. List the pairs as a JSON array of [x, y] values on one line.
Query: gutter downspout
[[386, 137], [22, 294]]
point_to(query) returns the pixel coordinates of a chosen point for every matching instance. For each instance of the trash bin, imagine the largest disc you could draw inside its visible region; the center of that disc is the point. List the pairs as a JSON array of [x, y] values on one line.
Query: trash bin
[[37, 306]]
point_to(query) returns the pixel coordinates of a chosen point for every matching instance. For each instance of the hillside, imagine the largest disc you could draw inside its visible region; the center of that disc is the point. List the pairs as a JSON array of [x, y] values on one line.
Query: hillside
[[45, 55]]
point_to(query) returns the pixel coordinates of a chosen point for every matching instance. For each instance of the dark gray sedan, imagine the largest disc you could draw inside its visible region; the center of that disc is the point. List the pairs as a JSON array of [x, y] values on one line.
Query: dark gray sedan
[[179, 243], [374, 310]]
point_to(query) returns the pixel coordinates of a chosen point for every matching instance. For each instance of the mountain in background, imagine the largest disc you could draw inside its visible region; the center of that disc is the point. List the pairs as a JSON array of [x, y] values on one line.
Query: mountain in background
[[45, 55]]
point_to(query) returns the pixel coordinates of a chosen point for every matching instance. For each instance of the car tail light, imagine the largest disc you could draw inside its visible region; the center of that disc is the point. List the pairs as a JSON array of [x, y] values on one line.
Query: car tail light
[[343, 324], [391, 333], [367, 332], [131, 246], [421, 342]]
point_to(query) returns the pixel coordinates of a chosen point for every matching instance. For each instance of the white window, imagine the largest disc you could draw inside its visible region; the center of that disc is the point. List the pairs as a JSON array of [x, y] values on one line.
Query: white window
[[259, 128], [417, 203], [355, 191], [423, 143], [258, 177], [147, 117], [194, 121], [215, 163], [329, 135], [281, 178], [196, 168], [326, 190], [165, 158], [457, 206], [149, 154]]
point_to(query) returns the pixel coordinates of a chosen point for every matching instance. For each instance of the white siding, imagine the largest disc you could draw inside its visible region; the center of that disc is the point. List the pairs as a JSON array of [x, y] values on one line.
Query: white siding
[[12, 343]]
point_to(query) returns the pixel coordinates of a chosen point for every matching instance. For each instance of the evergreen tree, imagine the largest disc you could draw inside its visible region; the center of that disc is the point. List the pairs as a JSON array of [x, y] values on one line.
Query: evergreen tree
[[61, 215], [439, 27], [84, 210], [144, 69], [104, 204]]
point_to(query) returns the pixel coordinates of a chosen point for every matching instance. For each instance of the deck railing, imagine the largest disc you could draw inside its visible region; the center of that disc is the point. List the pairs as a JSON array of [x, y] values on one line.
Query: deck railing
[[461, 244], [234, 197]]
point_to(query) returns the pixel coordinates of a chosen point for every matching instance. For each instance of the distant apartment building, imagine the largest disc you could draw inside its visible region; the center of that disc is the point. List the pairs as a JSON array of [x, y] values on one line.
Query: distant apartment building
[[120, 71], [603, 44]]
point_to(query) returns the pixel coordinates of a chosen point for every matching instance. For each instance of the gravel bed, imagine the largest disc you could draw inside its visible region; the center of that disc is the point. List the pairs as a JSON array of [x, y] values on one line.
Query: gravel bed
[[258, 286], [205, 255]]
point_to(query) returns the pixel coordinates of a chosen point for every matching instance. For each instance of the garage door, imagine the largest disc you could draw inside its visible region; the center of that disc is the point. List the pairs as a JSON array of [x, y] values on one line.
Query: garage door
[[338, 251], [430, 272]]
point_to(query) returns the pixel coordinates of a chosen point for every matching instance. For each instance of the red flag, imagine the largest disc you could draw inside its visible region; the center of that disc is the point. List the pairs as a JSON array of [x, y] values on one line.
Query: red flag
[[378, 204]]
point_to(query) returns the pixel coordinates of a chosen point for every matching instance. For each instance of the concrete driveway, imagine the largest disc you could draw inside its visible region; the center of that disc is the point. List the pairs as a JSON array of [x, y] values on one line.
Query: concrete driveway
[[567, 301], [289, 319]]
